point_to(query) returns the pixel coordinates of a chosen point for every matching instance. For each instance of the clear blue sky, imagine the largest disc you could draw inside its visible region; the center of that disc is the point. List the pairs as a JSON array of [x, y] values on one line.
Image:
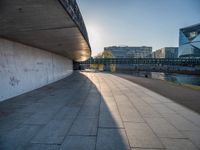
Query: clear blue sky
[[153, 23]]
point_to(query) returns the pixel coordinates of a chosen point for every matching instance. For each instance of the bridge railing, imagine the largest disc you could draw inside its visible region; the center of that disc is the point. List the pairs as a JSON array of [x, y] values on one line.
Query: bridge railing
[[161, 61], [72, 8]]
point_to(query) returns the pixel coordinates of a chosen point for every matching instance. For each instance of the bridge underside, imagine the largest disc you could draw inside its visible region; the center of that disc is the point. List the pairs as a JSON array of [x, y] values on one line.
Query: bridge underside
[[39, 39], [44, 24]]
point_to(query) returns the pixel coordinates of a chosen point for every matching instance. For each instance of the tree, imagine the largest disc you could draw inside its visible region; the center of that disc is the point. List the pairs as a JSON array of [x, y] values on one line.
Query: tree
[[97, 66], [107, 54], [99, 55], [104, 54]]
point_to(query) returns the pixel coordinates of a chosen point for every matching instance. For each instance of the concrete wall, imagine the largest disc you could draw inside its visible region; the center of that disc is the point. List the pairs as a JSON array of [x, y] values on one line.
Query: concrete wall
[[24, 68]]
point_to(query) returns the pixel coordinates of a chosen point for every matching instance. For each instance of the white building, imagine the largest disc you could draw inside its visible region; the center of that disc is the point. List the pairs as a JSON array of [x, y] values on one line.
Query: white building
[[130, 52]]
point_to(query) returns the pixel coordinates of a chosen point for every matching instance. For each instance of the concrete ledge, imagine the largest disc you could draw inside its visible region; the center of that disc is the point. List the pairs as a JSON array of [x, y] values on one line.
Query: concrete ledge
[[47, 25]]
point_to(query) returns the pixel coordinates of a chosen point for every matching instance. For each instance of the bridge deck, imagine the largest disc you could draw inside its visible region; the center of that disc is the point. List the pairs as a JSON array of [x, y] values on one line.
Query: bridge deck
[[96, 111], [158, 61]]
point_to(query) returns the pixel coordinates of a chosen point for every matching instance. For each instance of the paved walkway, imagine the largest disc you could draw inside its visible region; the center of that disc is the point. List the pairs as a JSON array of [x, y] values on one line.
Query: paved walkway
[[100, 111], [185, 96]]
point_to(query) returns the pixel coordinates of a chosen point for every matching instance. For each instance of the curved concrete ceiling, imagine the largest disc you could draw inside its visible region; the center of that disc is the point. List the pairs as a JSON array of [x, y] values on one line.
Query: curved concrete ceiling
[[44, 24]]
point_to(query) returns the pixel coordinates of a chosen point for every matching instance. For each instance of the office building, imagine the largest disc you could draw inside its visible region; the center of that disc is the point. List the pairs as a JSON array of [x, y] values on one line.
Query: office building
[[129, 52], [189, 41], [166, 52]]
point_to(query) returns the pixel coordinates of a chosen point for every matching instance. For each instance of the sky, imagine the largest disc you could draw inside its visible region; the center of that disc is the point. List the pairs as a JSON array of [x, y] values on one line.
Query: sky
[[153, 23]]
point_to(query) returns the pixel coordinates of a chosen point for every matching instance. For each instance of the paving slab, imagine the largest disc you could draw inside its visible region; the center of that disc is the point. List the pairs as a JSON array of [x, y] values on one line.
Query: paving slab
[[78, 143], [84, 126], [145, 149], [163, 129], [178, 144], [112, 139], [42, 147], [127, 110], [190, 115], [141, 136], [176, 107], [194, 137], [109, 121], [54, 132], [130, 115], [145, 109], [150, 99], [161, 108], [18, 138], [181, 123], [12, 120], [109, 116], [108, 105], [89, 111], [39, 118], [66, 113], [93, 99]]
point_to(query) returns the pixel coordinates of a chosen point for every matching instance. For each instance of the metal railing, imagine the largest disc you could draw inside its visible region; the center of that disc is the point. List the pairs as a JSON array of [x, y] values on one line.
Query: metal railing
[[72, 8], [160, 61]]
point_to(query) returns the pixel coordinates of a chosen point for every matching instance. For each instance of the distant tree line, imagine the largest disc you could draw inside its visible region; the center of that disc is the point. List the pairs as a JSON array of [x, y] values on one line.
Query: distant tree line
[[104, 54]]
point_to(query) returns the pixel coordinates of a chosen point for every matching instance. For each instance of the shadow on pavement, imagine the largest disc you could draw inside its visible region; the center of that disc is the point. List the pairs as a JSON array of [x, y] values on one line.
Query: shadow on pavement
[[68, 114]]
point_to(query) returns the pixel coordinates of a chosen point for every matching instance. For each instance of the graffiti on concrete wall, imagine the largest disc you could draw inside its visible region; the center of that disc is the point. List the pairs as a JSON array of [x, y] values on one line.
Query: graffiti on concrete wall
[[14, 81]]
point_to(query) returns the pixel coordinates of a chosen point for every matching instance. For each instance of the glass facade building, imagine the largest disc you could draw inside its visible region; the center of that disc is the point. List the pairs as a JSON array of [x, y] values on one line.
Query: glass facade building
[[166, 52], [129, 52], [189, 41]]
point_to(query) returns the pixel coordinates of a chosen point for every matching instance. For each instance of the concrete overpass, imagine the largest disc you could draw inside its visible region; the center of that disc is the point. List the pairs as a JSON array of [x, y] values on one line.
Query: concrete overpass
[[39, 39]]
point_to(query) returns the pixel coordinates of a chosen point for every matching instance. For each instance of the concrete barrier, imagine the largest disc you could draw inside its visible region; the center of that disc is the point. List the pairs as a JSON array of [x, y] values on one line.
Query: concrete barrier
[[24, 68]]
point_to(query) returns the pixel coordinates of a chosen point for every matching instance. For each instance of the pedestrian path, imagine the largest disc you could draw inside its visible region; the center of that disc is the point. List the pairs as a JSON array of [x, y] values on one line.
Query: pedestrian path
[[92, 110]]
